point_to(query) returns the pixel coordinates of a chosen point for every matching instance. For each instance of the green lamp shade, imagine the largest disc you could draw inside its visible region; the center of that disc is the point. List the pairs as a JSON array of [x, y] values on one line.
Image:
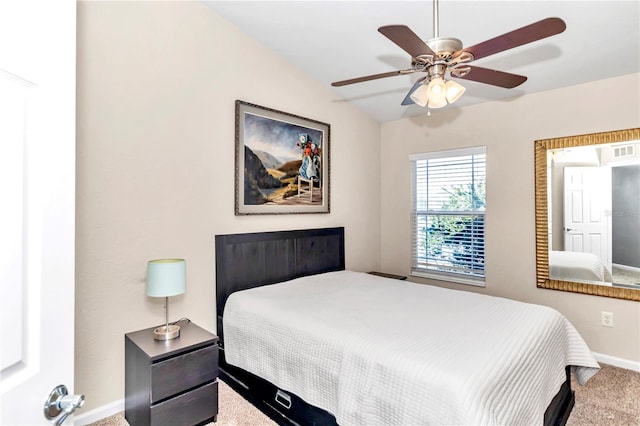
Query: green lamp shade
[[166, 277]]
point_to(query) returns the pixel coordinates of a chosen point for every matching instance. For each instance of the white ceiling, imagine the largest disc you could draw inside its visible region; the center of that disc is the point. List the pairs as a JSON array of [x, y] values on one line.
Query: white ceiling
[[338, 40]]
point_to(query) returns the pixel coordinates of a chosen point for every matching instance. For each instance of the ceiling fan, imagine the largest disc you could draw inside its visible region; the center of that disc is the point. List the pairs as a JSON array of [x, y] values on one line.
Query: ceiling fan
[[444, 55]]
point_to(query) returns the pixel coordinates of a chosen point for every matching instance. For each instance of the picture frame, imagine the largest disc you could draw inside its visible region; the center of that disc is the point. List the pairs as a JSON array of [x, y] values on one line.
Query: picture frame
[[281, 162]]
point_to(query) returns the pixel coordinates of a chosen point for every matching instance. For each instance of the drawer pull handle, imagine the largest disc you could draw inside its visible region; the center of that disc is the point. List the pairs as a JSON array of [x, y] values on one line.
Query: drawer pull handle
[[283, 399]]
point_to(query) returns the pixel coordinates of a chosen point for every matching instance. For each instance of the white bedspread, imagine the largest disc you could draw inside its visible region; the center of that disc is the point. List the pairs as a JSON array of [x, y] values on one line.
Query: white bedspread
[[376, 351], [574, 266]]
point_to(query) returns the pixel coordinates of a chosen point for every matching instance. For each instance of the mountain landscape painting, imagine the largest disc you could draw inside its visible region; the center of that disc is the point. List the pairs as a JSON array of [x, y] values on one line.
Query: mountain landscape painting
[[281, 162]]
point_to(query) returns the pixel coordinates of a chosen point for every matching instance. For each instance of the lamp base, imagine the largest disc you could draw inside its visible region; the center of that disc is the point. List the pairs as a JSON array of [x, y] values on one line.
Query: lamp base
[[166, 332]]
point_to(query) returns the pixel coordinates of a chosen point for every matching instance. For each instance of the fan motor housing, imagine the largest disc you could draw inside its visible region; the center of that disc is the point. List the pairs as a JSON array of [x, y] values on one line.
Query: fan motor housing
[[444, 46]]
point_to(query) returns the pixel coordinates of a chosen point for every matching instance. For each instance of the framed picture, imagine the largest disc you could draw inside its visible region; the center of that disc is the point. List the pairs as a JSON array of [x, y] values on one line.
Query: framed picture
[[282, 162]]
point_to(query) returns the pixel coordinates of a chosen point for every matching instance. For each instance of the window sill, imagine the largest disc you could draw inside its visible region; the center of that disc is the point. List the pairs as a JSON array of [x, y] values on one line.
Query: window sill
[[476, 282]]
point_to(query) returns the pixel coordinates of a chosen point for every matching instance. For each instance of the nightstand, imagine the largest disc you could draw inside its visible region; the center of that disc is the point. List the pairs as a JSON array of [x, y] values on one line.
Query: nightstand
[[384, 274], [171, 382]]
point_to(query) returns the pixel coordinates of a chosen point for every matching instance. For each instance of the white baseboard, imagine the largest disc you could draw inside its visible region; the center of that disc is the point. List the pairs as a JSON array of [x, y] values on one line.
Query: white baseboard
[[617, 362], [99, 413]]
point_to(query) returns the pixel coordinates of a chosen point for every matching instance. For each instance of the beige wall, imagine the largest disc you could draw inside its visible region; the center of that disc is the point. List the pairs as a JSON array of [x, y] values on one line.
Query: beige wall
[[508, 129], [157, 83]]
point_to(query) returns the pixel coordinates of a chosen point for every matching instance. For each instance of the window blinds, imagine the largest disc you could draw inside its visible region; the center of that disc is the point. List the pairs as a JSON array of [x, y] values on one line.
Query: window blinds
[[448, 214]]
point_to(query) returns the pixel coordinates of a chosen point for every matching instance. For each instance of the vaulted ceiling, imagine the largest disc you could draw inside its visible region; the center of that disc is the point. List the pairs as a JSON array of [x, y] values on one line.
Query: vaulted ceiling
[[338, 40]]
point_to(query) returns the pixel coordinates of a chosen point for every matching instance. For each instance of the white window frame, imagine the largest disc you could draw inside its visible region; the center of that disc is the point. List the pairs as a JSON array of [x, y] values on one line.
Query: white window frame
[[418, 257]]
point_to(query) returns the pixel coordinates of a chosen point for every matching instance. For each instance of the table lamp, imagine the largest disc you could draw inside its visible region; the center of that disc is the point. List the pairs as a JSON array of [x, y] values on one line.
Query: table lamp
[[165, 278]]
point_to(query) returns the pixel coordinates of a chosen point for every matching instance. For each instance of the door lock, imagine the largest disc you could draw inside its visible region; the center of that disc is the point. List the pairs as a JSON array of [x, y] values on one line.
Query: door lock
[[60, 402]]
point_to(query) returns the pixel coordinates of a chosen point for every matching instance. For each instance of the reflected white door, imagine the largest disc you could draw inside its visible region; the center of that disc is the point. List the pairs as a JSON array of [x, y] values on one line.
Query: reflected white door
[[37, 218], [587, 211]]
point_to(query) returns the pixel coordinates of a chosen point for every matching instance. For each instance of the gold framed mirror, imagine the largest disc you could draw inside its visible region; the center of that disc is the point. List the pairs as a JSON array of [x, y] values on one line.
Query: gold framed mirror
[[584, 260]]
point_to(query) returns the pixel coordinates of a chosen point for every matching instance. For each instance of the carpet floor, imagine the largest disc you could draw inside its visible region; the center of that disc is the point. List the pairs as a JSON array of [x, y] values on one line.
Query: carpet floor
[[610, 398]]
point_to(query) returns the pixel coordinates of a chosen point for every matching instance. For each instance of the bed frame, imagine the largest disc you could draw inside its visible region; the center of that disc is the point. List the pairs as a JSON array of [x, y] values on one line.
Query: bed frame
[[245, 261]]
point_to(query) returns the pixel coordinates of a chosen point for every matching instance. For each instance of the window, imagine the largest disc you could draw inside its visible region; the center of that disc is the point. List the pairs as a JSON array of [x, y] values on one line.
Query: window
[[448, 215]]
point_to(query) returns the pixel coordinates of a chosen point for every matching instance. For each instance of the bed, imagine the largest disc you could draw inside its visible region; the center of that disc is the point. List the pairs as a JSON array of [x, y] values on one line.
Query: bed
[[377, 371], [576, 266]]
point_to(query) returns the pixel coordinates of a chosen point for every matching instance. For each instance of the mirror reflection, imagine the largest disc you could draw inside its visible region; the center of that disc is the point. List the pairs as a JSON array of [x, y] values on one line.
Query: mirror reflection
[[602, 258], [593, 195]]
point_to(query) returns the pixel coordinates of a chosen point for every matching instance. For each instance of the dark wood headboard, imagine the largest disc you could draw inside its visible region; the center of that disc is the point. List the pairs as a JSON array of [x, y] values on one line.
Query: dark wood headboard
[[245, 261]]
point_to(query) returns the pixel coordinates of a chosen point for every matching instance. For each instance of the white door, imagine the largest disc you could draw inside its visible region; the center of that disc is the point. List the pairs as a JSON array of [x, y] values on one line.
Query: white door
[[587, 211], [37, 193]]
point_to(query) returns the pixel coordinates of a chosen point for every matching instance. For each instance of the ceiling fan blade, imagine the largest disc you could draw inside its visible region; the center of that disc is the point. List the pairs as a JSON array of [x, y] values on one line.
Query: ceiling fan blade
[[371, 77], [406, 39], [493, 77], [407, 99], [536, 31]]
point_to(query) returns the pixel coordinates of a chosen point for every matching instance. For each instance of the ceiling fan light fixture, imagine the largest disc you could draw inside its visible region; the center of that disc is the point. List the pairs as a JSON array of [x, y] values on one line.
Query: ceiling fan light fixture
[[440, 56], [437, 93], [436, 87], [437, 102], [454, 91], [420, 96]]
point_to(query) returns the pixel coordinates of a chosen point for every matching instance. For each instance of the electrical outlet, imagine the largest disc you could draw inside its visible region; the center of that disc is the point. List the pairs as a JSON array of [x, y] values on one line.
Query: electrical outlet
[[607, 319]]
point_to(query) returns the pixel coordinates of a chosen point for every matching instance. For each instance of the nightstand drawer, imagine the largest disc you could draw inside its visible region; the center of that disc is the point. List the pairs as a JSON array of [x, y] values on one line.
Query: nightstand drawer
[[180, 373], [193, 407]]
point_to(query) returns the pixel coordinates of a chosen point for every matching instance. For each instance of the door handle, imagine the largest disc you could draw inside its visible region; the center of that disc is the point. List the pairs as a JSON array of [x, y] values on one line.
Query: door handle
[[569, 229], [60, 402]]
